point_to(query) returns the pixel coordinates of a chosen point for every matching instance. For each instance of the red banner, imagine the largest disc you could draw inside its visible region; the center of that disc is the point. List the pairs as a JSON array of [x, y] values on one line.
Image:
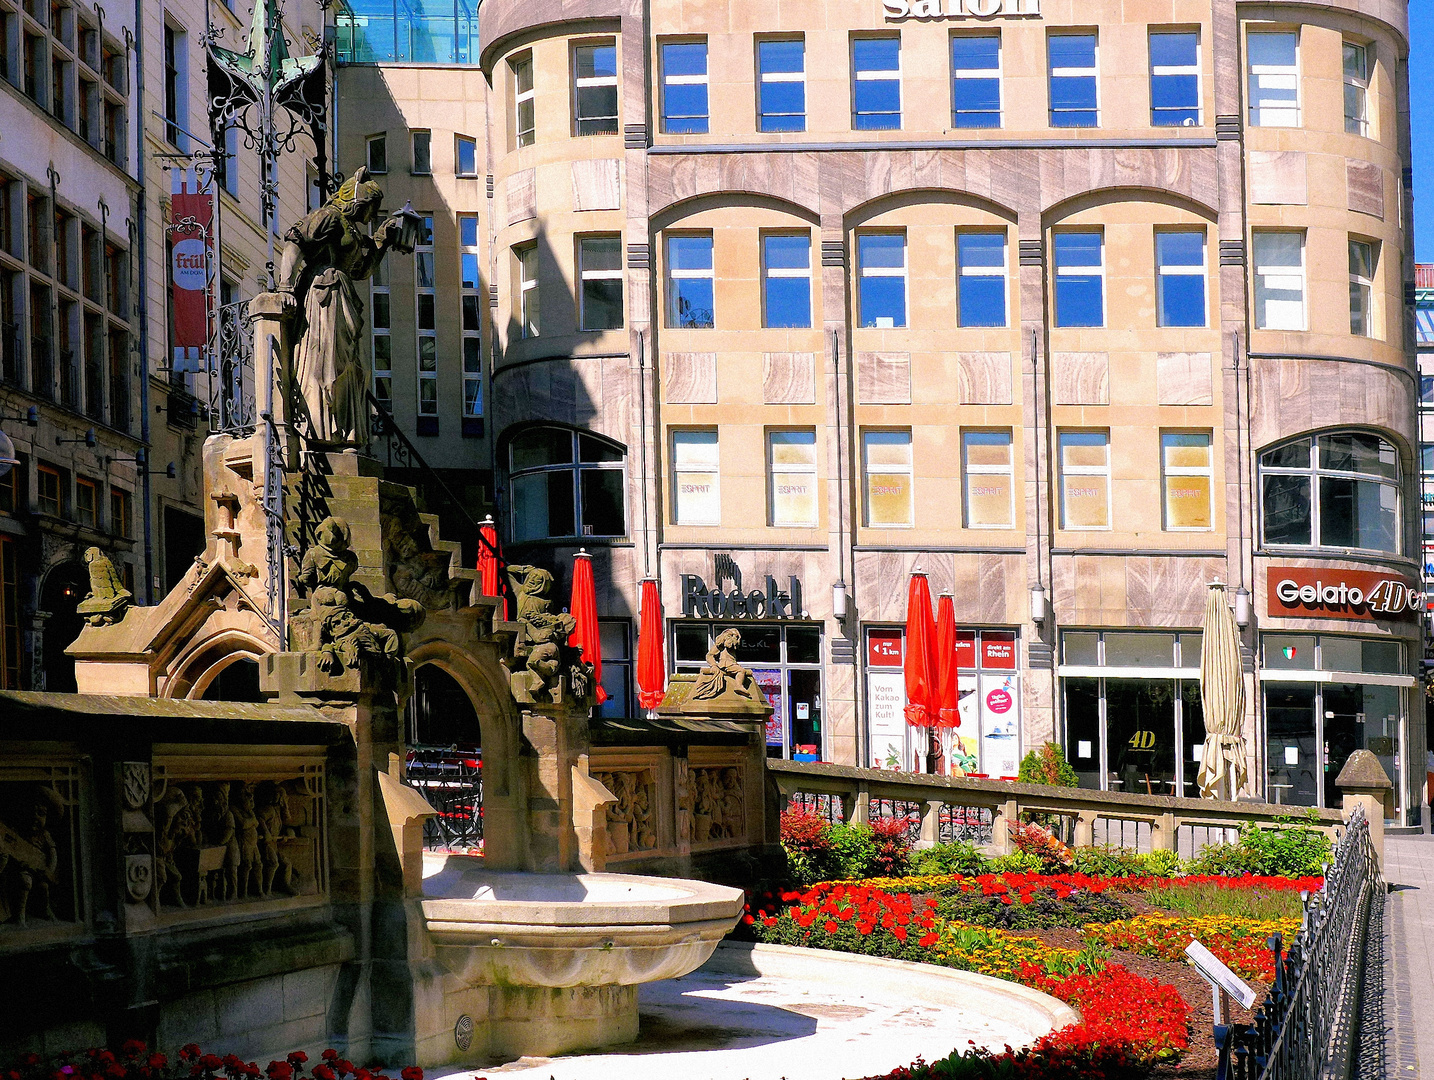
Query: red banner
[[191, 239], [1310, 593]]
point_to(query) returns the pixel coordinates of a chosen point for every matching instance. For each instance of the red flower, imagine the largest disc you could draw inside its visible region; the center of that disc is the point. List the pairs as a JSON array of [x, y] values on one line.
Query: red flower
[[900, 933], [927, 941], [411, 1072], [831, 927]]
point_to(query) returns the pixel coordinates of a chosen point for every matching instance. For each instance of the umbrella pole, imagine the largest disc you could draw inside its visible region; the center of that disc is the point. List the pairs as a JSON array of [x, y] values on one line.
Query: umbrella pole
[[931, 751]]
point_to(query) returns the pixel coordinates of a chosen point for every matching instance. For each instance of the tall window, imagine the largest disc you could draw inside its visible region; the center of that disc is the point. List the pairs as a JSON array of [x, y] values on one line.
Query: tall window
[[1080, 277], [615, 636], [1180, 276], [377, 147], [987, 469], [1085, 479], [595, 89], [1361, 288], [1187, 474], [689, 281], [1274, 78], [472, 316], [11, 652], [886, 469], [465, 155], [426, 305], [1175, 79], [600, 269], [1339, 490], [49, 490], [422, 152], [87, 498], [120, 512], [976, 81], [566, 483], [529, 310], [881, 266], [786, 280], [792, 477], [782, 85], [524, 113], [876, 83], [1279, 280], [684, 88], [381, 324], [696, 497], [981, 289], [1075, 97], [230, 160], [176, 86], [1356, 89]]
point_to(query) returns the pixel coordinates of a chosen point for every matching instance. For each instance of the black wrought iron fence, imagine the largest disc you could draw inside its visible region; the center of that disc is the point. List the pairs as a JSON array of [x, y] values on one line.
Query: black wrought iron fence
[[452, 781], [1308, 1024], [968, 824], [232, 408]]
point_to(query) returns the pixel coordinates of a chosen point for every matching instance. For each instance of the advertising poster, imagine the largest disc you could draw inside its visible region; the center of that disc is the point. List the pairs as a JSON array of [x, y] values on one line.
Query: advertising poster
[[770, 680], [1000, 725], [964, 757], [886, 702], [191, 243]]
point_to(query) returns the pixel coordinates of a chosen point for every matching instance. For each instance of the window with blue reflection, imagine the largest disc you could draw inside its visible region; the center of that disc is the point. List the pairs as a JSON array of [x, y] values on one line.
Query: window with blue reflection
[[684, 88], [418, 31], [787, 280], [1180, 277], [981, 291], [976, 81], [1080, 278], [782, 85], [689, 281], [1074, 98], [881, 268], [1175, 79], [876, 83]]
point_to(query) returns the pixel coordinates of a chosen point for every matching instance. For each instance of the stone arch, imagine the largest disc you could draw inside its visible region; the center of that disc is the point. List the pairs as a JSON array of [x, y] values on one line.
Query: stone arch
[[895, 200], [193, 670], [65, 583], [1074, 203], [722, 198]]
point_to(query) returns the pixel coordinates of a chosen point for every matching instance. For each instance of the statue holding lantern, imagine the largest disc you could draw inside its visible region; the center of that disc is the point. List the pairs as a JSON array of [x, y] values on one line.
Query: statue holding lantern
[[324, 255]]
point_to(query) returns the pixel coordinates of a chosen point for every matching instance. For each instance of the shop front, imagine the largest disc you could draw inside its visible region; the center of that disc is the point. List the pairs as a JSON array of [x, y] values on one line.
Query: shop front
[[988, 741]]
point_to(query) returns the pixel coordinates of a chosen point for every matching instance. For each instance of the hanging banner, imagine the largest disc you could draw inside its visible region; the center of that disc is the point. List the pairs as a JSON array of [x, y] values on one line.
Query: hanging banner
[[191, 238]]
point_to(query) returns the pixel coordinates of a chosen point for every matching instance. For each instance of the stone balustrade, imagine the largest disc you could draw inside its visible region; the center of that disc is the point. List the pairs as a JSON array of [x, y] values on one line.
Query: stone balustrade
[[1161, 822]]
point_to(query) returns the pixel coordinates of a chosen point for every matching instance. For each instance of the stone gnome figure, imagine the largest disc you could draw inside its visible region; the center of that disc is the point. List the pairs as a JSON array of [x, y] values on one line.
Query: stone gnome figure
[[545, 632], [108, 599], [322, 258]]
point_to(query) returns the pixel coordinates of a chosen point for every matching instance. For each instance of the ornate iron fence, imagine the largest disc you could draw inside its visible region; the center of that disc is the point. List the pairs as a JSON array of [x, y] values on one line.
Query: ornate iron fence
[[232, 408], [452, 782], [1308, 1025]]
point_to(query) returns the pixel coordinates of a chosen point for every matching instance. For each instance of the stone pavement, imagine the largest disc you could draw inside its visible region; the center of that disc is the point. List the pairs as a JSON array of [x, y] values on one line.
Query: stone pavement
[[1409, 965]]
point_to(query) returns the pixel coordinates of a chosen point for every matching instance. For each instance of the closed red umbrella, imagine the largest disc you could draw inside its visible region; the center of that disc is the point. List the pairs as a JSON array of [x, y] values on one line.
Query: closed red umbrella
[[948, 693], [583, 609], [651, 666], [488, 578], [922, 709]]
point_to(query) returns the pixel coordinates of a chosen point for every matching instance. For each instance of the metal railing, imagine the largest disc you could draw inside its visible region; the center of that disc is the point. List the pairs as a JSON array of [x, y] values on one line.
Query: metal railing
[[231, 379], [948, 808], [1308, 1025], [452, 782]]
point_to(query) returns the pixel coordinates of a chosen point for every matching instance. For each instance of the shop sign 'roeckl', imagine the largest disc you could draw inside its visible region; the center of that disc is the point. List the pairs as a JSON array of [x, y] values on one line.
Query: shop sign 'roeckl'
[[958, 9]]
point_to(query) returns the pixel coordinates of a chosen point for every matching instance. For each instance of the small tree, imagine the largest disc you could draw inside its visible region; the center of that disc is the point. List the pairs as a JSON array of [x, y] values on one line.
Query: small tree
[[1048, 766]]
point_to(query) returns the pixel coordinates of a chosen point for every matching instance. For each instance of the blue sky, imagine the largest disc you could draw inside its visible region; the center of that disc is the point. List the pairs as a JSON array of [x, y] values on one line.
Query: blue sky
[[1421, 70]]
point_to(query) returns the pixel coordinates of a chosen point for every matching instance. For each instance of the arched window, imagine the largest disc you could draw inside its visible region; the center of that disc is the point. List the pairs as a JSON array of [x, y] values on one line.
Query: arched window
[[1339, 490], [566, 483]]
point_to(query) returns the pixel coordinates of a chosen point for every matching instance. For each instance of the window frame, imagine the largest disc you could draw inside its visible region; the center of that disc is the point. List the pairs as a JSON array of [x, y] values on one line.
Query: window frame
[[524, 136], [784, 273], [1255, 110], [1167, 471], [1096, 271], [808, 469], [1360, 84], [679, 470], [699, 123], [1092, 73], [1258, 277], [996, 74], [864, 272], [1174, 72], [529, 291], [1363, 286], [459, 142], [1102, 471], [472, 336], [907, 469], [120, 522], [413, 141], [860, 75], [577, 467], [1314, 471], [1163, 271], [975, 271], [581, 83], [43, 472], [83, 483], [674, 274], [969, 472], [608, 274], [381, 141], [425, 377], [382, 375], [764, 77]]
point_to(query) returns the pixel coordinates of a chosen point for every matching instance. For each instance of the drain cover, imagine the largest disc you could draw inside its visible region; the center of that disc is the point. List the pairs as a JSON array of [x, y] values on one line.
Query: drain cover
[[463, 1032]]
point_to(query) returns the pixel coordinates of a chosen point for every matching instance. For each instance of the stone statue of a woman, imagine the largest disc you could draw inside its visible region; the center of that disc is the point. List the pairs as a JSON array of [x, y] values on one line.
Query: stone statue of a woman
[[322, 258]]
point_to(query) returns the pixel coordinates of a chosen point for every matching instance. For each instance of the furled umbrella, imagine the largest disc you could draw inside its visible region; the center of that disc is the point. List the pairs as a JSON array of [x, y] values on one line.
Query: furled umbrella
[[583, 609], [1222, 696], [922, 703], [488, 572], [948, 693], [651, 666]]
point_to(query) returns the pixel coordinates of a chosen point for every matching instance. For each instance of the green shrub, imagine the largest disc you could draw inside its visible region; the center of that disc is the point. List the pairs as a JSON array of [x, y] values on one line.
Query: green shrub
[[1159, 864], [956, 858], [1048, 765], [1105, 861], [1017, 862], [1284, 850], [1044, 912], [819, 850]]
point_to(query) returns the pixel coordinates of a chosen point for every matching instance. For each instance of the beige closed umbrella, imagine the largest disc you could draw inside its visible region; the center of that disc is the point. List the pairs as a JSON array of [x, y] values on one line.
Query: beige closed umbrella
[[1222, 695]]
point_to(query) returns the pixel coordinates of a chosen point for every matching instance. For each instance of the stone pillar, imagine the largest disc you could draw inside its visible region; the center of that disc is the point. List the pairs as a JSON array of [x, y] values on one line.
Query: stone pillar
[[1162, 833], [558, 734], [1363, 782], [930, 824], [1002, 817]]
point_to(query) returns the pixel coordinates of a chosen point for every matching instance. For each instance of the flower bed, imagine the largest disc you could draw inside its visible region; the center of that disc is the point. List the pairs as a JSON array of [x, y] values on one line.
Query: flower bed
[[1240, 944], [134, 1061]]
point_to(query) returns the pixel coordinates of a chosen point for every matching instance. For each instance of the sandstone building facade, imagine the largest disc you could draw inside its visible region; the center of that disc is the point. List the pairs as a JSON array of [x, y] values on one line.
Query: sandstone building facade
[[1075, 306]]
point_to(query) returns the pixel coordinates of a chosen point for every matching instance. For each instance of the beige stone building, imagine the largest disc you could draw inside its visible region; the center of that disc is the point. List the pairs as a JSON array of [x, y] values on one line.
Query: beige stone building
[[1076, 307]]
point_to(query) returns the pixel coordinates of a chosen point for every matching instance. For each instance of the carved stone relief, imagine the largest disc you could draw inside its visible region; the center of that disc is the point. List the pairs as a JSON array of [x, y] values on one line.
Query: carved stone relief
[[632, 820], [715, 801], [38, 853]]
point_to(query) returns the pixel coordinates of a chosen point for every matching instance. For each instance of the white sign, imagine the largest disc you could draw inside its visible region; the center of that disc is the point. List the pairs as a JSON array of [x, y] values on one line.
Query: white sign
[[958, 9], [1292, 755], [1217, 973], [885, 709]]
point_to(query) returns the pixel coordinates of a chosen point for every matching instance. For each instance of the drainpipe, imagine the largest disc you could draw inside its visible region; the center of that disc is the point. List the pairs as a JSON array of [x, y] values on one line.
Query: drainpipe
[[140, 242]]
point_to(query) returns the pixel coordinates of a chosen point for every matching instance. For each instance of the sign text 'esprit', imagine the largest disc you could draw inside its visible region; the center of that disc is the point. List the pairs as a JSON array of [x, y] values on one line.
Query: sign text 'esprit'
[[958, 9]]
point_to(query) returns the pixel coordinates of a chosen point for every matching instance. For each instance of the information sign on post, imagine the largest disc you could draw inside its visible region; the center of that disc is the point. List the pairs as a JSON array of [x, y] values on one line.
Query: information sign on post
[[1221, 979]]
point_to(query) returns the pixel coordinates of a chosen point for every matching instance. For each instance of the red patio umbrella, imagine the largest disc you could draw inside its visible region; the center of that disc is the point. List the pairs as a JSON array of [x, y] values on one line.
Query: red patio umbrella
[[948, 692], [922, 709], [488, 579], [651, 666], [583, 608]]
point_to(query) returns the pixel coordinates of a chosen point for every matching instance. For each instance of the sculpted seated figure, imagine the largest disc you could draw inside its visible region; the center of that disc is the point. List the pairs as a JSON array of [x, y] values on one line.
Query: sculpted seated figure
[[723, 675], [544, 638]]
